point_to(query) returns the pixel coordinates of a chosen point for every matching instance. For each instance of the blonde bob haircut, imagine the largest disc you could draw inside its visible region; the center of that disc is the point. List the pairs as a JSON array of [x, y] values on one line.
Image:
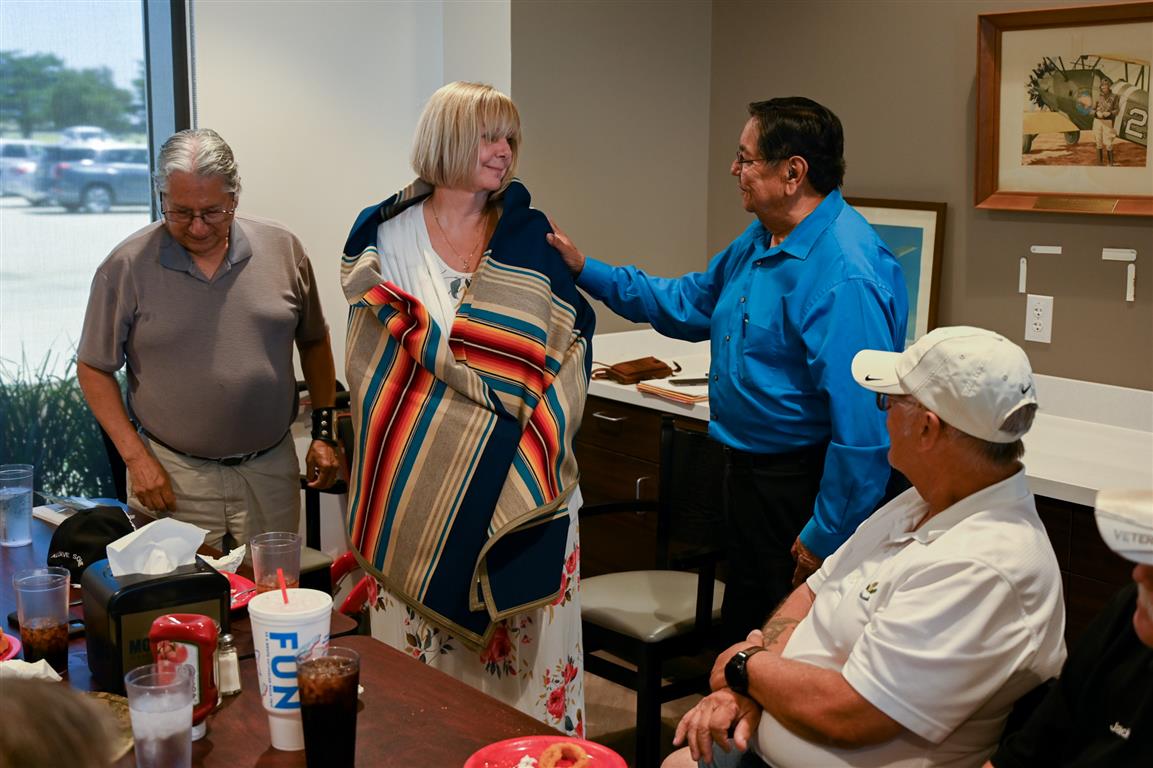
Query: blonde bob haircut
[[448, 136]]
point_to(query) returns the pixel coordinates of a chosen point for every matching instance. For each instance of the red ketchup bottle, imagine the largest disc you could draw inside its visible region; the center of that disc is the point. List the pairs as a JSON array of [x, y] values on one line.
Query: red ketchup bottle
[[190, 638]]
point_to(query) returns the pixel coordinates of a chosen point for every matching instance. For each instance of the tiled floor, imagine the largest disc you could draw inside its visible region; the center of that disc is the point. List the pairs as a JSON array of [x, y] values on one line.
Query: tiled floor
[[611, 717]]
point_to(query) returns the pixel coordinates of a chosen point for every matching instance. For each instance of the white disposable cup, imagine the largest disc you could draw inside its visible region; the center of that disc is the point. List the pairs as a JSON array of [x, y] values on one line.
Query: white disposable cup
[[280, 631], [15, 505]]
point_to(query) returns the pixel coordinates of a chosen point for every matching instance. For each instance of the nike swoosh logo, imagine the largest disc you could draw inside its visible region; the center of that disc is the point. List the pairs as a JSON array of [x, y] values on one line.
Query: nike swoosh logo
[[872, 378], [1025, 389]]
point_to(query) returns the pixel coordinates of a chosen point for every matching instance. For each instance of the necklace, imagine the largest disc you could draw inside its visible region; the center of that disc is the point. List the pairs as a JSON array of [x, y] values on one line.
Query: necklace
[[466, 260]]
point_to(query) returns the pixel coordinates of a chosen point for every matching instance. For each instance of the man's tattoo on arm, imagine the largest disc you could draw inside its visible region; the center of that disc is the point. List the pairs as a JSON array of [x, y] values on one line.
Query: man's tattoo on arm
[[777, 627]]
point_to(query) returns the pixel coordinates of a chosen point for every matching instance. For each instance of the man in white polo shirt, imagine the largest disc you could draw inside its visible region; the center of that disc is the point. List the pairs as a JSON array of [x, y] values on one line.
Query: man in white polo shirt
[[912, 642]]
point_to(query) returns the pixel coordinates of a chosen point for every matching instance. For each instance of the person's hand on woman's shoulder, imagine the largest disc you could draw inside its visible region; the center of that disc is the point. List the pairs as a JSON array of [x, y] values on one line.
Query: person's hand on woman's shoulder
[[568, 251]]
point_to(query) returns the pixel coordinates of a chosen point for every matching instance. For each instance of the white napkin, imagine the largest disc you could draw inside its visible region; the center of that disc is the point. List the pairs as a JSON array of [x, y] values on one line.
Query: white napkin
[[157, 548], [17, 668], [230, 562]]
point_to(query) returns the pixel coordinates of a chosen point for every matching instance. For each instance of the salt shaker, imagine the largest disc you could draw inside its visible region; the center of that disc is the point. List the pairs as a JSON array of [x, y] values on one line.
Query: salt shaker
[[229, 666]]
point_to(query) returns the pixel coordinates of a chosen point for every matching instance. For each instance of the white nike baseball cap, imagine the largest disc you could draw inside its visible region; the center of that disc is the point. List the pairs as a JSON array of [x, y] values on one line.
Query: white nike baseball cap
[[972, 378], [1125, 520]]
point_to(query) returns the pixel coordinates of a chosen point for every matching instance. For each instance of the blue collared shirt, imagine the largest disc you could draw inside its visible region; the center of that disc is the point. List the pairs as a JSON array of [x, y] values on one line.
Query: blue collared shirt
[[784, 324]]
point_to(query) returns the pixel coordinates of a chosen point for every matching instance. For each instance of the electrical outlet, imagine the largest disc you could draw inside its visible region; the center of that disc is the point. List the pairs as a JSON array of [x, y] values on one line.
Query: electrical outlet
[[1039, 318]]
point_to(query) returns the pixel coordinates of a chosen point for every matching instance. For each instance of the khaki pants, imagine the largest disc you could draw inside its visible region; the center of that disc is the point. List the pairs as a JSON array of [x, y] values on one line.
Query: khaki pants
[[233, 503], [1103, 133]]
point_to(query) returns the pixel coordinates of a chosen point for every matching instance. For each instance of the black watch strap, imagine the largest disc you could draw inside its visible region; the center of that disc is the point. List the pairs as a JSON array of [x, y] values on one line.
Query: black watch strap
[[737, 672], [324, 425]]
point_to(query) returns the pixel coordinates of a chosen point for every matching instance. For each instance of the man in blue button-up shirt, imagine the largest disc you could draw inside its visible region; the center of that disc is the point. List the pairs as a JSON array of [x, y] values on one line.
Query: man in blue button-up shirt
[[786, 306]]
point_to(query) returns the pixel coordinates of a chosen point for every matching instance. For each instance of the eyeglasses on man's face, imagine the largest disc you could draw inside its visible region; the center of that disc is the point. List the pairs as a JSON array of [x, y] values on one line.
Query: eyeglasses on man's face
[[886, 402], [212, 216], [743, 162]]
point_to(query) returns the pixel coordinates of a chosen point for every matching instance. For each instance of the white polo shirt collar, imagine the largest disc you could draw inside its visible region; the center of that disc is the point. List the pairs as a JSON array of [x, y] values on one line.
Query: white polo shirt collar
[[1005, 493]]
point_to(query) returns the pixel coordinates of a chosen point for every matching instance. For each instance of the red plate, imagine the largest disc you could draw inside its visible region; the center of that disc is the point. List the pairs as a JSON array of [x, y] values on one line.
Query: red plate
[[507, 753], [12, 649], [239, 584]]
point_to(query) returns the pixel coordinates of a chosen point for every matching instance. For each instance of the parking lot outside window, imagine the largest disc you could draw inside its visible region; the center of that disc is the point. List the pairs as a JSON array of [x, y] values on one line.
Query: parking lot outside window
[[76, 119]]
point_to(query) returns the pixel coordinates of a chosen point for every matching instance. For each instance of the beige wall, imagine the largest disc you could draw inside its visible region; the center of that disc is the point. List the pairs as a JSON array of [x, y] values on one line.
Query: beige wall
[[901, 76], [320, 98], [614, 97], [631, 113]]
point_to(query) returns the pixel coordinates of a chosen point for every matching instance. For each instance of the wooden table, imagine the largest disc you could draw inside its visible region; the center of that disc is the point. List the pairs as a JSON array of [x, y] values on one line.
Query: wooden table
[[410, 713]]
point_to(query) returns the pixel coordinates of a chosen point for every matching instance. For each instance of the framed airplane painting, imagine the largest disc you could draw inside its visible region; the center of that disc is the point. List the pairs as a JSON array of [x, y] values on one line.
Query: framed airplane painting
[[915, 233], [1063, 110]]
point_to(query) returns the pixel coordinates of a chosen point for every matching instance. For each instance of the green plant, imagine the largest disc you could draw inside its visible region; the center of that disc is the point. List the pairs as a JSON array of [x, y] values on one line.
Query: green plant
[[45, 421]]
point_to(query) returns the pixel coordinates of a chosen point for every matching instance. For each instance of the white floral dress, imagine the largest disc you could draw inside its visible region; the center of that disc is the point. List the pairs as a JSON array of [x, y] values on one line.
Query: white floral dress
[[534, 661]]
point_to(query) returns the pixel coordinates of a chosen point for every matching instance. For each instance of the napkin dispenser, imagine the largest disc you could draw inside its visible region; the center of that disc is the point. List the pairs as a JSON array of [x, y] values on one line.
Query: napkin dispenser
[[119, 611]]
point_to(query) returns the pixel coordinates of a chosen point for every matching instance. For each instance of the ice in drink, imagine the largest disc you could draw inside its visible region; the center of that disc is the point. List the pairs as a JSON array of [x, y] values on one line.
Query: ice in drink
[[328, 683], [160, 704], [15, 505], [162, 730], [45, 639], [42, 608]]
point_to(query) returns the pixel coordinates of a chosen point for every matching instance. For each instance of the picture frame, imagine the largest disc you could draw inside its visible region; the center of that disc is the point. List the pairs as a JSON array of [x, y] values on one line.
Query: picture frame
[[1039, 76], [915, 232]]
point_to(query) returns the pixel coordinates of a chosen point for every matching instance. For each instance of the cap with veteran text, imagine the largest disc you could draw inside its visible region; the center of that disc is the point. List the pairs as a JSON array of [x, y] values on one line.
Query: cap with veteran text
[[1125, 520], [972, 378]]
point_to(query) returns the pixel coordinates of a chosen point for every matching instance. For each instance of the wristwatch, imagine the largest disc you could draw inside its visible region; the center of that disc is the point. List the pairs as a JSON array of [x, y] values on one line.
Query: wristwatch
[[737, 672]]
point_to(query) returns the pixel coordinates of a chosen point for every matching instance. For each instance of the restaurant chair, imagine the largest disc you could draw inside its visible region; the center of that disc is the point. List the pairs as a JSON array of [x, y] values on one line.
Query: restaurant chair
[[357, 601], [116, 465], [647, 618]]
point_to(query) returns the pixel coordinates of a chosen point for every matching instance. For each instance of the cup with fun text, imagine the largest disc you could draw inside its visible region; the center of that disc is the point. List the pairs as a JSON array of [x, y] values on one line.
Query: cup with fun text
[[281, 630]]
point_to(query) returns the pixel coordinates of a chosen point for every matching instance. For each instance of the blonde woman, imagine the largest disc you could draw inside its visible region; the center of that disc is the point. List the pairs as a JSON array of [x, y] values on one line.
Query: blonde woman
[[468, 361]]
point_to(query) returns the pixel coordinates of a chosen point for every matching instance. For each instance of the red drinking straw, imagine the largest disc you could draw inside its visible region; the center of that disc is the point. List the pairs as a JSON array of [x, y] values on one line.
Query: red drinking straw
[[283, 586]]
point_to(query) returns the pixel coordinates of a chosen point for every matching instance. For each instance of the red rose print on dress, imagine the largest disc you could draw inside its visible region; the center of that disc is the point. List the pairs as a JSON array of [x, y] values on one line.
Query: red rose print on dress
[[556, 703], [499, 656], [570, 564], [563, 595]]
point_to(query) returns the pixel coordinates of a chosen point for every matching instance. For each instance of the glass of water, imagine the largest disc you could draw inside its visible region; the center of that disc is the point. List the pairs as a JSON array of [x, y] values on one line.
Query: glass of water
[[160, 702], [15, 505]]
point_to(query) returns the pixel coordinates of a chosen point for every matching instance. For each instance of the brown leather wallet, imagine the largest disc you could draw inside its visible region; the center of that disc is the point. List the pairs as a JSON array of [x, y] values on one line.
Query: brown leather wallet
[[632, 371]]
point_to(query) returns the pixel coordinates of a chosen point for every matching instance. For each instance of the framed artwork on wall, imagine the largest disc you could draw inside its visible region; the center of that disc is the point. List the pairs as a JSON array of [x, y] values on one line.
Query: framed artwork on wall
[[915, 233], [1063, 110]]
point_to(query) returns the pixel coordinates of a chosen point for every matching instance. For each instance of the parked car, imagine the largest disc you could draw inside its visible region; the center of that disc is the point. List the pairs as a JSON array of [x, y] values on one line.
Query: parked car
[[83, 134], [54, 156], [18, 158], [110, 175]]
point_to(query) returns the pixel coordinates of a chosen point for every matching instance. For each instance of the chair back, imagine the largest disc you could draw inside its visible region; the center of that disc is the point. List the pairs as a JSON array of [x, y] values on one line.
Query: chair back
[[691, 517]]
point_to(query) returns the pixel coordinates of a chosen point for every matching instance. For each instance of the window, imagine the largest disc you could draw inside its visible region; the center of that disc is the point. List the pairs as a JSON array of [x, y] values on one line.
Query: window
[[83, 86]]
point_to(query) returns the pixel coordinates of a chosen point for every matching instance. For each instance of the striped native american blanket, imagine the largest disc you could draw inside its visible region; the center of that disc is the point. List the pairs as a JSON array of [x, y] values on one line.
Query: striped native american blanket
[[463, 463]]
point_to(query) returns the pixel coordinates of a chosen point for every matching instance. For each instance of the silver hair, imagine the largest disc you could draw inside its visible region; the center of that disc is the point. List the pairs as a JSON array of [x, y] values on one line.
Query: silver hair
[[200, 152], [1003, 454]]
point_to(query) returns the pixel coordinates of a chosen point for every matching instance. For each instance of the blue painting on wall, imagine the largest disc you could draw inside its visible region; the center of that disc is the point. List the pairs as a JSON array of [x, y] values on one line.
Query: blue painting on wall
[[907, 244]]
